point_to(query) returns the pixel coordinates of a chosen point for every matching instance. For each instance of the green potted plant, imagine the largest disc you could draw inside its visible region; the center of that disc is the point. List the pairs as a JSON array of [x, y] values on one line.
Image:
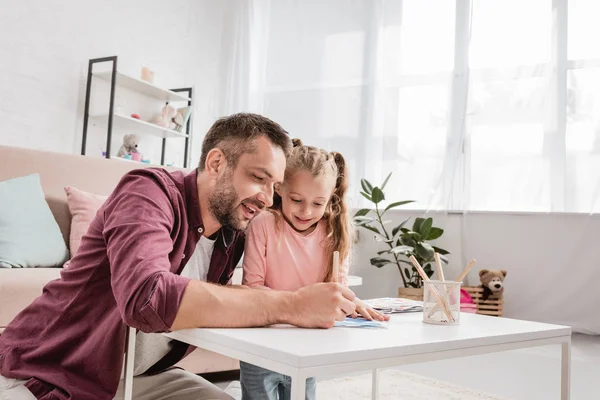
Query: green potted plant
[[400, 242]]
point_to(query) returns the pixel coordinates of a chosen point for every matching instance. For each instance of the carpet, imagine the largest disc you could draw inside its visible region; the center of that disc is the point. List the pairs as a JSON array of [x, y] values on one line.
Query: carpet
[[393, 385], [396, 385]]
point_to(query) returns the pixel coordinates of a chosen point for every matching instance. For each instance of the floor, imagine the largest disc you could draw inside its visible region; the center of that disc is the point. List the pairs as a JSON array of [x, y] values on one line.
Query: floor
[[528, 374]]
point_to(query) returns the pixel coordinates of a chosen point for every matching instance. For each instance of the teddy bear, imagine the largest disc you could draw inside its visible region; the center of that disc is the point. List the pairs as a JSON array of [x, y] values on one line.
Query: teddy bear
[[166, 118], [492, 282], [129, 146]]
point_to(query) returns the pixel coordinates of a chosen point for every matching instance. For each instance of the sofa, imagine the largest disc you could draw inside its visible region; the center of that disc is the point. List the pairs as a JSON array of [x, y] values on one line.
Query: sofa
[[20, 286]]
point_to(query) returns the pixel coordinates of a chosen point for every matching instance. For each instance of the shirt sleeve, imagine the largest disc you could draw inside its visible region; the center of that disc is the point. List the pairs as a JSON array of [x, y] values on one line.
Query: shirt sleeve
[[138, 220], [255, 255]]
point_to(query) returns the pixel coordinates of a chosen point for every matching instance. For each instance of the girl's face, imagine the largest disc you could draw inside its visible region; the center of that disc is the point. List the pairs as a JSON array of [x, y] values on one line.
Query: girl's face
[[304, 199]]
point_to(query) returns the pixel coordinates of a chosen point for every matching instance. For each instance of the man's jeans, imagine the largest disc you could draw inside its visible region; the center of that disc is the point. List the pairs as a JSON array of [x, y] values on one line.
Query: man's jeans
[[261, 384]]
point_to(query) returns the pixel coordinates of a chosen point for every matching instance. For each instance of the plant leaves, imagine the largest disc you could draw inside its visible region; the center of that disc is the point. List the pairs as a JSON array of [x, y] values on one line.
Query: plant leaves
[[407, 273], [440, 250], [377, 195], [380, 237], [380, 262], [434, 233], [408, 241], [425, 227], [412, 235], [444, 259], [364, 222], [423, 252], [366, 196], [364, 218], [366, 185], [398, 203], [371, 228], [386, 180], [401, 249], [417, 224], [383, 252], [397, 231], [362, 212]]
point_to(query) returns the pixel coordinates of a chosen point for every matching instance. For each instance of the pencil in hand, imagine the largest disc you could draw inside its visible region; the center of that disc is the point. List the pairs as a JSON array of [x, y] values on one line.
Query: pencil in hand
[[335, 272]]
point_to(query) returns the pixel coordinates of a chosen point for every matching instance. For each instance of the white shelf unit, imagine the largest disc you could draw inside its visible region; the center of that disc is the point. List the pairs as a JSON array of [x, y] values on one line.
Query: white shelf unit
[[137, 125], [140, 86], [112, 120]]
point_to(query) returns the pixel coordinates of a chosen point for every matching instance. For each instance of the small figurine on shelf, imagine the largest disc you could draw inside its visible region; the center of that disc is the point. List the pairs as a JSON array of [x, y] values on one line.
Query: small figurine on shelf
[[166, 118], [183, 114], [147, 75], [129, 146]]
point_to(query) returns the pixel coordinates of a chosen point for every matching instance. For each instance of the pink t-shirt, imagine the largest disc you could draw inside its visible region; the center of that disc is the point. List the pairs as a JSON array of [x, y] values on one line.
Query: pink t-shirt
[[280, 258]]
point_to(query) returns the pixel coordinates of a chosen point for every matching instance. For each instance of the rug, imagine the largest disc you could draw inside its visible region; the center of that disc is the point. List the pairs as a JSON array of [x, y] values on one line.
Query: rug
[[396, 385], [393, 385]]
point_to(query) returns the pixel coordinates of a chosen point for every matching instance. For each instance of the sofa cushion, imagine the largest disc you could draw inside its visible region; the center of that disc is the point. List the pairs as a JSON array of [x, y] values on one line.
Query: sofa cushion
[[19, 287], [83, 207], [29, 234]]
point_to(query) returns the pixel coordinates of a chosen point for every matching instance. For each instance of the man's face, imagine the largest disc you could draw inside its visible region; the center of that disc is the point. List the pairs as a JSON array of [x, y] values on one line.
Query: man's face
[[241, 193]]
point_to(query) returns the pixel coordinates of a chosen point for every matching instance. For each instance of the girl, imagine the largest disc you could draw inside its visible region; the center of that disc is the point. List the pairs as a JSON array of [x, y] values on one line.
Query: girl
[[292, 246]]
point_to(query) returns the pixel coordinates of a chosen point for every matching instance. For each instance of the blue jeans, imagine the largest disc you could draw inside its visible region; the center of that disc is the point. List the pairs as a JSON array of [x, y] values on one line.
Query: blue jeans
[[262, 384]]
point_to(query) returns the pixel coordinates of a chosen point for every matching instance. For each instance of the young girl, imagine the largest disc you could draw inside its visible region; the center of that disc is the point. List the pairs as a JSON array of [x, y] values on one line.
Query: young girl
[[292, 246]]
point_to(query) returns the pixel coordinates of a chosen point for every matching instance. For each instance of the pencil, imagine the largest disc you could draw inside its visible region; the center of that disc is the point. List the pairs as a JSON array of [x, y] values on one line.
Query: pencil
[[434, 292], [438, 262], [465, 271], [336, 267]]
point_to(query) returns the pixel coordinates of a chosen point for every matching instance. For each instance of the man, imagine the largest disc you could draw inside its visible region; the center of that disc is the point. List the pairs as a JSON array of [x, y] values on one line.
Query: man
[[134, 267]]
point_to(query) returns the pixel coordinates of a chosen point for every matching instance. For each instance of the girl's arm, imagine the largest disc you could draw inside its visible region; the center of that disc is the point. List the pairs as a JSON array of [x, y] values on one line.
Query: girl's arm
[[255, 255], [361, 308]]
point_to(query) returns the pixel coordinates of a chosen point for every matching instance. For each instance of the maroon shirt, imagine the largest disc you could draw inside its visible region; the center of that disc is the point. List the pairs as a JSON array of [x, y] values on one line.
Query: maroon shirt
[[70, 342]]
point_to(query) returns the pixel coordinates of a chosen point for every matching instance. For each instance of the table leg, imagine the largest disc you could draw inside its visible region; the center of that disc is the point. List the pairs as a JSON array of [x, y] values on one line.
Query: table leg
[[375, 385], [298, 387], [129, 355], [565, 371]]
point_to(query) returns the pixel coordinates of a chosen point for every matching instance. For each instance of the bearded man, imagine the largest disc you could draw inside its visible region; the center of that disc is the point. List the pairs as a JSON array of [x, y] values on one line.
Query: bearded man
[[158, 257]]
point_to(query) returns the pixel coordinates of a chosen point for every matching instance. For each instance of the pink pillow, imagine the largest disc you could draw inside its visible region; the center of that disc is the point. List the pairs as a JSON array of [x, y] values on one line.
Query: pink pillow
[[83, 207]]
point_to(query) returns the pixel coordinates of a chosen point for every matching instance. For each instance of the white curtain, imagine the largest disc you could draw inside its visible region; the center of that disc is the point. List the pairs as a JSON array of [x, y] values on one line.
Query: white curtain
[[488, 108], [475, 105]]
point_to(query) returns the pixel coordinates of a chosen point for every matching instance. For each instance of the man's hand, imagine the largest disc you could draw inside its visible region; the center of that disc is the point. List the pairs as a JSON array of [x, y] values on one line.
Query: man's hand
[[320, 305], [205, 305]]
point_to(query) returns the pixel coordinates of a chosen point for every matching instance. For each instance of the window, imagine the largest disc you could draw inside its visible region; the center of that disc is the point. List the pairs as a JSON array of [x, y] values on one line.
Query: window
[[473, 105]]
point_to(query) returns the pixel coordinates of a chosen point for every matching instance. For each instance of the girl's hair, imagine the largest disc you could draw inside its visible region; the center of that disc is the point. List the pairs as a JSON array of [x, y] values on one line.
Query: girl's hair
[[318, 162]]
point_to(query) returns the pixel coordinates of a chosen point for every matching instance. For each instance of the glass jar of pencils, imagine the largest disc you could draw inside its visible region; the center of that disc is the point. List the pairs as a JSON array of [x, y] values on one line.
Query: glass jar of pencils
[[441, 302]]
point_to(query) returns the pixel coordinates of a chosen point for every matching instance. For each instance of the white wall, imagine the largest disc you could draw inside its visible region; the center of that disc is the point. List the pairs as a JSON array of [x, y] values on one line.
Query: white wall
[[553, 262], [45, 47]]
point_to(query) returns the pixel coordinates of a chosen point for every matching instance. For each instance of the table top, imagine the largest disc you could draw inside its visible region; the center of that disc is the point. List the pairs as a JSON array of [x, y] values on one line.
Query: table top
[[406, 334]]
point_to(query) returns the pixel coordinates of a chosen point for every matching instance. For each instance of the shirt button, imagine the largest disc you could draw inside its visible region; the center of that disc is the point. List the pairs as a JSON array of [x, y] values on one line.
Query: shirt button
[[183, 256], [200, 230]]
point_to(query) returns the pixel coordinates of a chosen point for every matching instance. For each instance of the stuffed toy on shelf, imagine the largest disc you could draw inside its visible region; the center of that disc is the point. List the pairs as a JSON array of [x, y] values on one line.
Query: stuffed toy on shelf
[[129, 146]]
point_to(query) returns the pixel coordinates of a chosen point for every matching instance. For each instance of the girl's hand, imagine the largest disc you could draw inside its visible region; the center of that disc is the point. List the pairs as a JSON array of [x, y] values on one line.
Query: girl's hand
[[367, 312]]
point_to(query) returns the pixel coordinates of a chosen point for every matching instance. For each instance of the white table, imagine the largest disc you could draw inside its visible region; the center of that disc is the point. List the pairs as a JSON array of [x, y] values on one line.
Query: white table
[[353, 280], [302, 353]]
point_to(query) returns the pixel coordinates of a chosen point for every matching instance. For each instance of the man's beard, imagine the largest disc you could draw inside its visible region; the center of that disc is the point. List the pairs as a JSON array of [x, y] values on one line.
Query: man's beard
[[222, 202]]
